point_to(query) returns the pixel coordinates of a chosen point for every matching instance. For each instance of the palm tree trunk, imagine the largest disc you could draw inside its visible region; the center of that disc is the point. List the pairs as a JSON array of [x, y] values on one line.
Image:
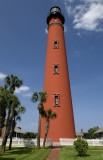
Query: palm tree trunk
[[44, 141], [8, 127], [11, 133], [39, 129], [2, 118], [46, 132]]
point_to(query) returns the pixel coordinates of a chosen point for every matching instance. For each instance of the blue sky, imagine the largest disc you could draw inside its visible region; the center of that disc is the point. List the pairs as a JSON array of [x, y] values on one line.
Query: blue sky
[[23, 41]]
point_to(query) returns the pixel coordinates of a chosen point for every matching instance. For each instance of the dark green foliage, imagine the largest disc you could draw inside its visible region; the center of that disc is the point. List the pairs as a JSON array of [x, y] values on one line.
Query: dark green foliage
[[17, 117], [81, 146], [41, 97], [49, 114], [12, 81], [30, 135], [12, 103], [5, 99], [35, 97], [91, 133]]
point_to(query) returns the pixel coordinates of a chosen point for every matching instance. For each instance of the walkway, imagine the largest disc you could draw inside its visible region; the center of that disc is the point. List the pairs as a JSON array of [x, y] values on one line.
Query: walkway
[[54, 154]]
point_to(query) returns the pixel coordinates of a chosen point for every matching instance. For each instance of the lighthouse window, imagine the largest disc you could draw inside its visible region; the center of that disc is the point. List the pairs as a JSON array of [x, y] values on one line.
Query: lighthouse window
[[56, 68], [55, 20], [56, 44], [56, 100]]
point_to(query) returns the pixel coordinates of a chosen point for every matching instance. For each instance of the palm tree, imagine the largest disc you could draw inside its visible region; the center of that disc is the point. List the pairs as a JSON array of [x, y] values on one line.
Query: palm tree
[[4, 97], [41, 97], [14, 103], [12, 82], [17, 116], [48, 115]]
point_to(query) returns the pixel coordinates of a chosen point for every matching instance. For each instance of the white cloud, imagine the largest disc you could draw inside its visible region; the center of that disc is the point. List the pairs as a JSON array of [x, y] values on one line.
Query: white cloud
[[46, 31], [88, 15], [65, 28], [22, 89], [28, 94], [90, 19], [2, 76], [69, 9]]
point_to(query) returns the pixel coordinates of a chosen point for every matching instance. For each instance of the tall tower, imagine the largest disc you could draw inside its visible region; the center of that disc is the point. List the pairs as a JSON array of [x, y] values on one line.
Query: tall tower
[[56, 80]]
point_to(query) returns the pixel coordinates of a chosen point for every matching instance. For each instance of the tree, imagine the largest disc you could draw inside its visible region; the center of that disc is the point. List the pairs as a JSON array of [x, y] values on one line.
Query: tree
[[12, 82], [48, 115], [91, 133], [3, 104], [17, 116], [14, 103], [41, 97], [30, 135]]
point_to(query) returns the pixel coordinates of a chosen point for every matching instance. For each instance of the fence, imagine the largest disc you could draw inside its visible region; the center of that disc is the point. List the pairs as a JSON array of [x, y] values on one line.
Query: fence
[[91, 142], [21, 142]]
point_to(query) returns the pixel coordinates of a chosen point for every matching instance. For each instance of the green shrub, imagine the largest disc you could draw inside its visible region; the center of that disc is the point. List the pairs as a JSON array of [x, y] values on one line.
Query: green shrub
[[30, 135], [81, 146]]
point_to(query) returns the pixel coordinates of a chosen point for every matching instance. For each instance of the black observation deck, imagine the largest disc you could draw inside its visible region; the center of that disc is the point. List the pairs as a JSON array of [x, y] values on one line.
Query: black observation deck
[[55, 11]]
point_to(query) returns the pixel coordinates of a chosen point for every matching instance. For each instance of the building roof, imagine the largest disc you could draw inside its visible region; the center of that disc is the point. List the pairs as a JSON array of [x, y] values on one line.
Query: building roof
[[79, 134], [18, 130], [99, 130]]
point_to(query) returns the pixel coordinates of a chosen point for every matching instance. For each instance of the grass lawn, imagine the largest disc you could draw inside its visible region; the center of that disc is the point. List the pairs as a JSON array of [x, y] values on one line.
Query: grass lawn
[[30, 153], [69, 153]]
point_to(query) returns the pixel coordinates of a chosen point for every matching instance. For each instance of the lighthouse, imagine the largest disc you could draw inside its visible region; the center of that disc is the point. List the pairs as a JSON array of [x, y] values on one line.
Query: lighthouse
[[56, 80]]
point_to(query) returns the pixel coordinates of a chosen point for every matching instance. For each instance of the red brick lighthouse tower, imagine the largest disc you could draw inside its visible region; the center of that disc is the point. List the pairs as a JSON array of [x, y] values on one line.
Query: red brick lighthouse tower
[[56, 80]]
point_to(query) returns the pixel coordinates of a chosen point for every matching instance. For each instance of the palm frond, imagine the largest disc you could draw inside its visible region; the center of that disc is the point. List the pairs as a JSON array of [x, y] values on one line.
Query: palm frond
[[21, 110], [14, 102], [42, 96], [35, 97], [44, 114], [7, 81], [18, 83], [18, 118], [49, 113], [13, 81], [54, 115]]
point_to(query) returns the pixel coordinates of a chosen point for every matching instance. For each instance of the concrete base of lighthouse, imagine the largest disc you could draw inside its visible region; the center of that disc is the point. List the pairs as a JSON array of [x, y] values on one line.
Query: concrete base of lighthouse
[[62, 142]]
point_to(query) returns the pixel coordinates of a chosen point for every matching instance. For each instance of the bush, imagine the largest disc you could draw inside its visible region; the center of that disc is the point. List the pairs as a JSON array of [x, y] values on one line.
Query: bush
[[81, 146], [30, 135]]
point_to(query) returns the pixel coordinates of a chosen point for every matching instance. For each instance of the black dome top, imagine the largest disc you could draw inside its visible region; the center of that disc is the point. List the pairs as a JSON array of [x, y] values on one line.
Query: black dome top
[[55, 11]]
